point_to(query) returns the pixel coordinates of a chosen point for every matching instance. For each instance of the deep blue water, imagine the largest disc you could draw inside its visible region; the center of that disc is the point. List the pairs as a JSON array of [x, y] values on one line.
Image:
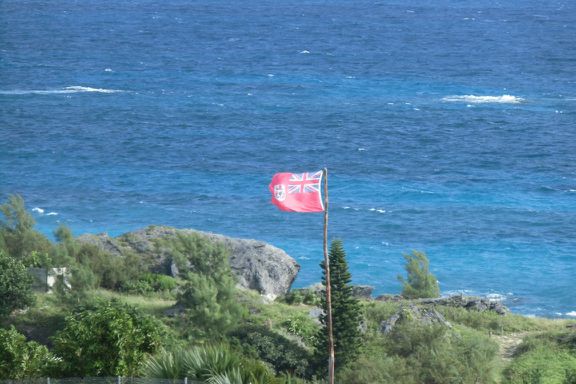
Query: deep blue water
[[447, 127]]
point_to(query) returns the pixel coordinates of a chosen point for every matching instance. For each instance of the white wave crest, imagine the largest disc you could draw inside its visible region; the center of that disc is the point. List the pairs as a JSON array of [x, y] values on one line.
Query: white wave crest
[[571, 314], [66, 90], [503, 99], [52, 214], [38, 210]]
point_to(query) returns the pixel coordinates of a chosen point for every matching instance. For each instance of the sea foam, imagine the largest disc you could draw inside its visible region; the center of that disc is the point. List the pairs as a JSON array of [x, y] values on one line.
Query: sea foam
[[65, 90], [571, 314], [474, 99]]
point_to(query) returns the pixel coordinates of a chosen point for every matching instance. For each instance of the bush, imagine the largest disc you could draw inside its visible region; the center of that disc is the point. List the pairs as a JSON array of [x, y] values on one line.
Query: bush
[[546, 358], [283, 354], [213, 364], [20, 359], [108, 340], [440, 355], [420, 283], [15, 285]]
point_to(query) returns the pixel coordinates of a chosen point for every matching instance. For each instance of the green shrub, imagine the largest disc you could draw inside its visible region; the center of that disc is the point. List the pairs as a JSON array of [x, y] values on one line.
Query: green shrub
[[20, 359], [545, 364], [150, 282], [15, 285], [488, 320], [377, 367], [210, 364], [283, 354], [419, 283], [108, 340], [440, 355]]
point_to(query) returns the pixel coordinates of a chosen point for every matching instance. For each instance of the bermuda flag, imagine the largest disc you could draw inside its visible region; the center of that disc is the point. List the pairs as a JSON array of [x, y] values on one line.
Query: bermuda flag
[[297, 192]]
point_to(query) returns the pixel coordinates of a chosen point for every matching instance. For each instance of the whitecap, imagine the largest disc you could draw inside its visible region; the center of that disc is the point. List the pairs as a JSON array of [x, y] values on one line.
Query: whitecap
[[305, 52], [474, 99], [571, 314], [372, 209], [361, 149], [108, 70], [381, 210], [52, 214], [346, 207], [38, 210], [65, 90]]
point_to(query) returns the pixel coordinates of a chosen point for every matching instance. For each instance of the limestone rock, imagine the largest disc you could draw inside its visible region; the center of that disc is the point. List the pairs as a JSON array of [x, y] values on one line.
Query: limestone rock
[[362, 291], [415, 314], [255, 264]]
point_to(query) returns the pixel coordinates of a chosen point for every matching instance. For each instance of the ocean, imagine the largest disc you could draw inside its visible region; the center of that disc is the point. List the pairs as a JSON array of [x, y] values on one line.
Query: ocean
[[447, 127]]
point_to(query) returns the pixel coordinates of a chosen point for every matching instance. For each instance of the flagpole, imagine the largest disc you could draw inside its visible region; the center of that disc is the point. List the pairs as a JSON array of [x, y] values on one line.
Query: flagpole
[[328, 285]]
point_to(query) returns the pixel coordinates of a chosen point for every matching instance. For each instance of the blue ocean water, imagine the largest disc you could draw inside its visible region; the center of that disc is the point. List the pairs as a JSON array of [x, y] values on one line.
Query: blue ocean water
[[447, 127]]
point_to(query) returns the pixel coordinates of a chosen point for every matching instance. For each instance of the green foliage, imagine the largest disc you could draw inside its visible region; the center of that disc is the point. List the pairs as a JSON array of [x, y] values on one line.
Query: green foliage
[[488, 320], [377, 312], [108, 340], [208, 294], [149, 283], [17, 235], [420, 283], [380, 368], [211, 364], [15, 285], [302, 296], [548, 358], [346, 312], [20, 359], [283, 354], [439, 355]]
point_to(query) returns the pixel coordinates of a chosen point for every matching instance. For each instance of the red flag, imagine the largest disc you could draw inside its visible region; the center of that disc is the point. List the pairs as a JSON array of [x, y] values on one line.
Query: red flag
[[297, 192]]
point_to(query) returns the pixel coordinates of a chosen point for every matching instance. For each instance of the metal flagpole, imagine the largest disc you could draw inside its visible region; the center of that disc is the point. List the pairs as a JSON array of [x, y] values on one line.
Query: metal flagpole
[[328, 287]]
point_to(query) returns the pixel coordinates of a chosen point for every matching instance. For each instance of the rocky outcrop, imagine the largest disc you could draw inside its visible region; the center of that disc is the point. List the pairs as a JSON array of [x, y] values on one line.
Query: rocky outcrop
[[362, 291], [480, 304], [414, 314], [256, 265]]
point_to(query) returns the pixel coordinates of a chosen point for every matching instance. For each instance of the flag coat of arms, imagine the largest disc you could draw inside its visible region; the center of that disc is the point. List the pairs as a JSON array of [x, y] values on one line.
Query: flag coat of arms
[[297, 192]]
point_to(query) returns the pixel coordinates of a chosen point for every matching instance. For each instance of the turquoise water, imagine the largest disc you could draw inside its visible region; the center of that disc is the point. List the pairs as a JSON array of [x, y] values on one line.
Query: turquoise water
[[447, 127]]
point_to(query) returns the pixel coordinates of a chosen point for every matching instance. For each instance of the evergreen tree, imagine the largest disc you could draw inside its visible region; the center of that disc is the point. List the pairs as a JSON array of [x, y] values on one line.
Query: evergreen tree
[[420, 283], [346, 313]]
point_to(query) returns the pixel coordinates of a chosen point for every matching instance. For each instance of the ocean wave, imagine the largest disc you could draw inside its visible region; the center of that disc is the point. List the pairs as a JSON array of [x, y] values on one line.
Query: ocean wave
[[38, 210], [571, 314], [503, 99], [65, 90]]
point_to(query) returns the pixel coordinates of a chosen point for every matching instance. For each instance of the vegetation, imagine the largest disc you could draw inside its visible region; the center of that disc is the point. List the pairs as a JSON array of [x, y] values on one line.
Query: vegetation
[[110, 339], [122, 317], [15, 285], [420, 283], [345, 312], [20, 359]]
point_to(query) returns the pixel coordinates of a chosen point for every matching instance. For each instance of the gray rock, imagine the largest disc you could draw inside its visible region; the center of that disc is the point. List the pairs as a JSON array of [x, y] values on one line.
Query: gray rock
[[414, 314], [255, 264], [362, 291], [393, 298], [479, 304]]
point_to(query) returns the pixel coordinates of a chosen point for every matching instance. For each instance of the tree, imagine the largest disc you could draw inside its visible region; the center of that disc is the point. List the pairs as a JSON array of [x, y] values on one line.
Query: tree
[[420, 283], [111, 339], [17, 234], [346, 312], [15, 285], [208, 295], [20, 359]]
